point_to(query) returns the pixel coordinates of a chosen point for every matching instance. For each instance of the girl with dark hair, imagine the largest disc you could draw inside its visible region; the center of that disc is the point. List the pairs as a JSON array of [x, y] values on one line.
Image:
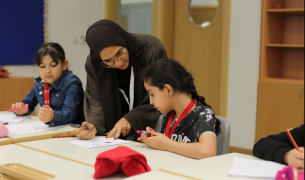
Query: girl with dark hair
[[189, 126], [116, 102], [57, 90]]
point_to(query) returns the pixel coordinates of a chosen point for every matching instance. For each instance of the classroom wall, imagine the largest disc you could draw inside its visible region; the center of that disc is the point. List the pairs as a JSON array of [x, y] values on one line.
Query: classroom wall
[[245, 35], [67, 22]]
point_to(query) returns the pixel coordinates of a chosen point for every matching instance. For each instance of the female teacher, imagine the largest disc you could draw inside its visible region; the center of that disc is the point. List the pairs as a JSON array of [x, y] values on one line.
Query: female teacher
[[116, 101]]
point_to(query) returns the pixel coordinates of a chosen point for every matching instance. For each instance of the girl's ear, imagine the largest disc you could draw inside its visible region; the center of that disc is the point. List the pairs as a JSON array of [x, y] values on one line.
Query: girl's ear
[[169, 89], [65, 64]]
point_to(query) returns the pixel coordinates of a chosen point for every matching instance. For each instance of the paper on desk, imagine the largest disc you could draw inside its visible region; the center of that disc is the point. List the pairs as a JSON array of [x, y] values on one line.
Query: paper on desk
[[31, 127], [99, 142], [254, 168], [12, 118]]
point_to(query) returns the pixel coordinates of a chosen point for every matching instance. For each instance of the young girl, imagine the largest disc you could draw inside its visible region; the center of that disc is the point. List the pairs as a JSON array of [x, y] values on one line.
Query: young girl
[[57, 90], [189, 127]]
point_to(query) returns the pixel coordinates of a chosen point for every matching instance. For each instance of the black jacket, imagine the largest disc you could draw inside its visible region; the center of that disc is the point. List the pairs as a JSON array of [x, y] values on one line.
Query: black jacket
[[274, 147]]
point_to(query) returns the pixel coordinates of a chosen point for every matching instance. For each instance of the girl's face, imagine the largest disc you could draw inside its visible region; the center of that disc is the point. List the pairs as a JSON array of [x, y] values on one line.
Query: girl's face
[[49, 71], [159, 98], [115, 57]]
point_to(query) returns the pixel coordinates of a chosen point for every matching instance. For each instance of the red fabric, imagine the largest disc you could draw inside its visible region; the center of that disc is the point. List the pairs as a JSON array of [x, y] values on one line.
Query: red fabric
[[119, 159]]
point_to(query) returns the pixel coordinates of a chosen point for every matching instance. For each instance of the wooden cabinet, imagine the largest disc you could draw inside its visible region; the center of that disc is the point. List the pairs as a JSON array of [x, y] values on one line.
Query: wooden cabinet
[[14, 90], [281, 84], [280, 105]]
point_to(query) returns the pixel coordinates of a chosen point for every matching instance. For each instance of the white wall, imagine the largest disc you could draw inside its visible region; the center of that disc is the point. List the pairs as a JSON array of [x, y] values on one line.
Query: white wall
[[244, 71], [66, 20], [70, 19]]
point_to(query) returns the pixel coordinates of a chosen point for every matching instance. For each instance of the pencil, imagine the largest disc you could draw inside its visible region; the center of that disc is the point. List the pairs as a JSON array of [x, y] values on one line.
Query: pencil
[[63, 136], [292, 140]]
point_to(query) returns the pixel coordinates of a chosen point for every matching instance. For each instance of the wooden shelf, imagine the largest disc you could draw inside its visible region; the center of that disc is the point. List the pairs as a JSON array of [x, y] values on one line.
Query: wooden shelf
[[287, 11], [286, 45], [283, 80]]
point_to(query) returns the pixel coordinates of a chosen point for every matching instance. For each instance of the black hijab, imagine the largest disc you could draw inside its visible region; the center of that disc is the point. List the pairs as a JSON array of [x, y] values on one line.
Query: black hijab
[[105, 33], [100, 35]]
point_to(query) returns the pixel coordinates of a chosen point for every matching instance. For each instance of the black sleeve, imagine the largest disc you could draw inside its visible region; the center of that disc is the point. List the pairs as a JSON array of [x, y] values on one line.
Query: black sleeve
[[273, 147]]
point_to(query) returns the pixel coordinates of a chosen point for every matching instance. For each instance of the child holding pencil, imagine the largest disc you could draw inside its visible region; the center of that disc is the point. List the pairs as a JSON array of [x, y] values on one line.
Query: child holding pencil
[[58, 91], [189, 127], [279, 148]]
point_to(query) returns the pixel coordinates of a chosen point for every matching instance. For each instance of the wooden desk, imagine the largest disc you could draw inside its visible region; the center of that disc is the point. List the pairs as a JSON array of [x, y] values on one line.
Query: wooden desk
[[215, 168], [16, 138], [155, 175], [61, 147], [14, 90], [5, 141], [61, 168]]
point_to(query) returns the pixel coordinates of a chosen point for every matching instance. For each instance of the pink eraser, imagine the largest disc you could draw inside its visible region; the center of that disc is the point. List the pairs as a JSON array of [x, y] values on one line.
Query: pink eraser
[[3, 131], [10, 110]]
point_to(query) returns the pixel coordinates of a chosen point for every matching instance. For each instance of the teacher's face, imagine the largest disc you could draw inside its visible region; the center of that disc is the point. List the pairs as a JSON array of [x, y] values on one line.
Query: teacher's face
[[115, 57]]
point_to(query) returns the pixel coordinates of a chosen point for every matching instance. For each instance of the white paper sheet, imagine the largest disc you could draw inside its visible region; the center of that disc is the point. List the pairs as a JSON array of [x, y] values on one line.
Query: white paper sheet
[[32, 127], [11, 118], [254, 168], [99, 142]]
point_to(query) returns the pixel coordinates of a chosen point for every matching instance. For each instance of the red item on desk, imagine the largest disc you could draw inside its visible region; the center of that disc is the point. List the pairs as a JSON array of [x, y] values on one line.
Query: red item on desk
[[120, 159], [278, 6]]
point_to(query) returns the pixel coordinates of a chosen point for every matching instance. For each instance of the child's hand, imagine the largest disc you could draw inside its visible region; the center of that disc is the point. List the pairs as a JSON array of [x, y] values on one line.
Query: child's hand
[[294, 157], [144, 136], [46, 114], [82, 133], [20, 108], [157, 141]]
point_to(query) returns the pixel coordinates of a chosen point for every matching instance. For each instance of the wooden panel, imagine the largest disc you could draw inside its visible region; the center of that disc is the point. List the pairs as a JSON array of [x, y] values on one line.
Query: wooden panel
[[225, 52], [285, 4], [112, 10], [201, 14], [14, 90], [280, 105], [294, 4], [274, 28], [293, 63], [272, 64], [294, 29], [271, 4], [199, 50], [233, 149], [163, 24]]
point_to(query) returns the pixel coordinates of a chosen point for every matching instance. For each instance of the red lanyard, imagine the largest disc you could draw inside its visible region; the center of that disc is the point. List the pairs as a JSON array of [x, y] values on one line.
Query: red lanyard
[[171, 118], [46, 94]]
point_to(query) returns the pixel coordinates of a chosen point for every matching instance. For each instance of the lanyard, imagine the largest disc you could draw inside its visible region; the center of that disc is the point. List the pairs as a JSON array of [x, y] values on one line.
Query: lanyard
[[131, 91], [46, 94], [171, 118]]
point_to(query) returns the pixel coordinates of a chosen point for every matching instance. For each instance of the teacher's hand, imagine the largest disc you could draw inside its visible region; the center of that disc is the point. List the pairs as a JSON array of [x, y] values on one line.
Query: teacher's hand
[[121, 127], [82, 133]]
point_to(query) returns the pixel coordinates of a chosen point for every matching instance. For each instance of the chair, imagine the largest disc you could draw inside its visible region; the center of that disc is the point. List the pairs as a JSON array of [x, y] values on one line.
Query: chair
[[159, 123], [223, 139]]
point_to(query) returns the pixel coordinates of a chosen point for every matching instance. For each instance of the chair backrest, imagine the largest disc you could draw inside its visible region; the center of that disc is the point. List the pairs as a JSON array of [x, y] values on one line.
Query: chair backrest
[[159, 123], [223, 139]]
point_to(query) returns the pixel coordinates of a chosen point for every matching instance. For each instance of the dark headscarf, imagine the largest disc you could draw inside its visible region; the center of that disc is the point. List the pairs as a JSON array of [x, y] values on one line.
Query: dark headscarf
[[100, 35], [105, 33]]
